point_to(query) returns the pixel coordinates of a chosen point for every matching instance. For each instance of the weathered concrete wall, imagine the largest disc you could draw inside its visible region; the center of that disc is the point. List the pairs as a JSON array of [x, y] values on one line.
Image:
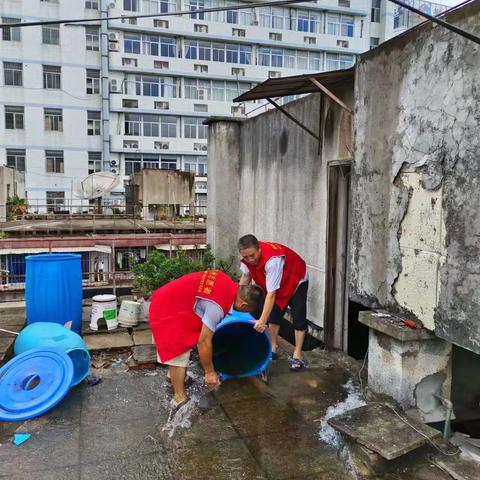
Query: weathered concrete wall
[[165, 187], [266, 177], [415, 198], [12, 182]]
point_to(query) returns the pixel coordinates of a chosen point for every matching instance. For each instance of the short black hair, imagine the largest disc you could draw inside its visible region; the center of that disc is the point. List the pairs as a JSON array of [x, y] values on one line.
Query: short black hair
[[248, 241], [253, 295]]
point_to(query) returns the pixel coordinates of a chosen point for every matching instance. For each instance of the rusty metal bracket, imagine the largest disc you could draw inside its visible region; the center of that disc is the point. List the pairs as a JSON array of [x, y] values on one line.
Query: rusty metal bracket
[[293, 119], [326, 91]]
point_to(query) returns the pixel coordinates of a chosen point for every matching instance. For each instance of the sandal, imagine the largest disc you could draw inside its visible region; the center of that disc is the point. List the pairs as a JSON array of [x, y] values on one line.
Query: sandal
[[175, 407], [296, 364], [274, 355]]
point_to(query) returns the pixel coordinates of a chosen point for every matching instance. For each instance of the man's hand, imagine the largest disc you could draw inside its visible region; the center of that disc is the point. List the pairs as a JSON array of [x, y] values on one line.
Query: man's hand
[[212, 379], [260, 326]]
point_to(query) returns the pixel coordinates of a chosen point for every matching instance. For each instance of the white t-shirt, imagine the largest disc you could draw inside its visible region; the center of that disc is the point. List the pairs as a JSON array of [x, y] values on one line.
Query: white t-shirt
[[273, 273], [210, 313]]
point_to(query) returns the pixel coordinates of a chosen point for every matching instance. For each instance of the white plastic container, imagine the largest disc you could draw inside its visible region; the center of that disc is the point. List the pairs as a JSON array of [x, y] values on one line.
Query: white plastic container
[[104, 307], [129, 313]]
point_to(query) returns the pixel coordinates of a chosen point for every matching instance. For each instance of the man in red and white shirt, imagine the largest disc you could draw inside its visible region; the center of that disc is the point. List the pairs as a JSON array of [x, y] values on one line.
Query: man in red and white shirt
[[282, 274], [185, 312]]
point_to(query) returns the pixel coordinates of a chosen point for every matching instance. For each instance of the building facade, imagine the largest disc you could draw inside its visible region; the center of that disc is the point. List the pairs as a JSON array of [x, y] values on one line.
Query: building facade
[[133, 93]]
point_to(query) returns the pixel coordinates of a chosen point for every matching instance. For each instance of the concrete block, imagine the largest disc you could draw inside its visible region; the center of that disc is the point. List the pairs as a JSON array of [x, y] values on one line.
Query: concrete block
[[142, 337], [107, 341]]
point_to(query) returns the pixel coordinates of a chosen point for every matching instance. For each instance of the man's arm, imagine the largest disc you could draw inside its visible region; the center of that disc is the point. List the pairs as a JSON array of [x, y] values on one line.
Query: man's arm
[[205, 351], [245, 279], [261, 323]]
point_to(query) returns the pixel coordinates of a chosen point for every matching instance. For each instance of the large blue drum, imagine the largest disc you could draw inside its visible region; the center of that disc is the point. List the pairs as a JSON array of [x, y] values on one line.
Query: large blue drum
[[53, 289]]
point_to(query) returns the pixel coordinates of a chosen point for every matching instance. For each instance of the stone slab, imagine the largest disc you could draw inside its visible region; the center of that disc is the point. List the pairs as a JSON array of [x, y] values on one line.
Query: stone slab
[[378, 428], [107, 341], [145, 353], [142, 337], [393, 327]]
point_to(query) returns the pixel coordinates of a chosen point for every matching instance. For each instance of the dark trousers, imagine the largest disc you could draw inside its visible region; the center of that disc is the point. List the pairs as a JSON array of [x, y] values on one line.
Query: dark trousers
[[298, 308]]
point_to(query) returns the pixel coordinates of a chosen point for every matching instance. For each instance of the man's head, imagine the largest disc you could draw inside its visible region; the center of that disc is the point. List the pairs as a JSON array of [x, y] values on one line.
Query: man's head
[[249, 249], [249, 298]]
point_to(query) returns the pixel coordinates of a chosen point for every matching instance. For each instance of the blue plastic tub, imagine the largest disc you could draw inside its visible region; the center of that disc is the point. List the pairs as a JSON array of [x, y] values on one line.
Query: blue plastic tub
[[53, 289], [239, 350], [45, 334]]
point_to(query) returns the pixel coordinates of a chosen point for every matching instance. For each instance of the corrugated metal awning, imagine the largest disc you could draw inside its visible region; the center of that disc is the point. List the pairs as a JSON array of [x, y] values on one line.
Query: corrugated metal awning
[[297, 85], [32, 251]]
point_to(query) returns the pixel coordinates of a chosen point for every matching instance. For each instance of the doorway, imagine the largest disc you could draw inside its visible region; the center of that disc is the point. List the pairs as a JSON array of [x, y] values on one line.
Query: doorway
[[336, 300]]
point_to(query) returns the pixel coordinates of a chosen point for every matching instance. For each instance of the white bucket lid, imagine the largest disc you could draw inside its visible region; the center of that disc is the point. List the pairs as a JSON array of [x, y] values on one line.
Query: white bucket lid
[[104, 298]]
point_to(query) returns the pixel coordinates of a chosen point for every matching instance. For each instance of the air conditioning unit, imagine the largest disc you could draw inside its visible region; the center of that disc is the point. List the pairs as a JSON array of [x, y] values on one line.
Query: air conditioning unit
[[204, 148], [114, 86], [113, 37], [113, 47], [113, 163], [131, 62], [130, 144], [165, 146], [161, 145], [201, 94], [113, 170]]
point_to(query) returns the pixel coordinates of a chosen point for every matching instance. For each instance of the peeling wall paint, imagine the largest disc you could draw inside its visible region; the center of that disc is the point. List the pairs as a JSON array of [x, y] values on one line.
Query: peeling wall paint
[[417, 112]]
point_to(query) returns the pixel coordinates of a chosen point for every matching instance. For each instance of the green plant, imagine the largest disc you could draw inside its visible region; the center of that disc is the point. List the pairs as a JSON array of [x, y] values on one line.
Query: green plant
[[3, 234], [16, 206], [160, 269]]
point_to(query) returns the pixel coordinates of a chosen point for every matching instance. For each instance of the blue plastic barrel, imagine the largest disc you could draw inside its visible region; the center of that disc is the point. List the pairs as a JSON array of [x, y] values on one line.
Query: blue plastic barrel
[[47, 334], [53, 289], [239, 350]]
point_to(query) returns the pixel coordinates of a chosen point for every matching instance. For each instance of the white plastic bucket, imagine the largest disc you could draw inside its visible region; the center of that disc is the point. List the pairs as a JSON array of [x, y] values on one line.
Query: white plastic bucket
[[129, 313], [104, 307]]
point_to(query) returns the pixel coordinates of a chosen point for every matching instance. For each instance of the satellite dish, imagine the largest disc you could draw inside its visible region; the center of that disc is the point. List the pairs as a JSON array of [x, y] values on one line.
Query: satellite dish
[[96, 185]]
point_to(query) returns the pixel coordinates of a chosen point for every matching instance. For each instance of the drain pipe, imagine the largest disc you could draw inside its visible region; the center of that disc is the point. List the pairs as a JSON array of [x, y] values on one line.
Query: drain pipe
[[104, 74], [447, 432]]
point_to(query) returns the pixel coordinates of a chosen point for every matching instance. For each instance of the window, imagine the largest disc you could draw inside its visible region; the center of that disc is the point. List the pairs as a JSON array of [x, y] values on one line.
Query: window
[[275, 36], [344, 3], [160, 64], [13, 74], [161, 105], [160, 23], [200, 107], [168, 127], [130, 144], [11, 34], [55, 200], [200, 28], [52, 77], [92, 38], [193, 128], [132, 164], [14, 117], [308, 21], [342, 43], [218, 52], [168, 163], [216, 90], [133, 124], [274, 17], [150, 125], [157, 45], [132, 43], [155, 86], [51, 34], [93, 123], [91, 4], [94, 162], [340, 25], [374, 42], [53, 119], [93, 81], [131, 5], [54, 160], [338, 62], [239, 72], [274, 74], [150, 161], [375, 17], [16, 159], [310, 40]]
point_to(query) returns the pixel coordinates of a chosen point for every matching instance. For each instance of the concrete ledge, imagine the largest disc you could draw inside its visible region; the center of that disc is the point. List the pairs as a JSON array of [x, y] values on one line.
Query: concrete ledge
[[215, 119], [393, 327]]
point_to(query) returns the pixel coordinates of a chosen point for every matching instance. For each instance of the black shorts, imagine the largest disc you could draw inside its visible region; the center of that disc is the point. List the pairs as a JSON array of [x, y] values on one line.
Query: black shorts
[[298, 308]]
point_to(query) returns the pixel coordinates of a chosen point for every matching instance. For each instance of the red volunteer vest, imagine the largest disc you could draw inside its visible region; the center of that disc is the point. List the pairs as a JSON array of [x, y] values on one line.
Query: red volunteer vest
[[293, 271], [175, 325]]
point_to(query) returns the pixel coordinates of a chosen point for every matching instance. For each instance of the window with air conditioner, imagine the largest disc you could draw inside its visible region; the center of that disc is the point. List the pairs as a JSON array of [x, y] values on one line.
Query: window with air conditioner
[[130, 21], [238, 110], [129, 62], [238, 32], [275, 36], [342, 43], [160, 23], [114, 86], [200, 28], [239, 72], [374, 42], [162, 105], [200, 107], [161, 145], [160, 64], [274, 74], [344, 3], [310, 40], [200, 68], [130, 144]]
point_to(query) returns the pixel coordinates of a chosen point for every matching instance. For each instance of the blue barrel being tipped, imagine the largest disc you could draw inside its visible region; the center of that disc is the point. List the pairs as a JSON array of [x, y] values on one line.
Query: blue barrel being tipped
[[53, 289], [239, 350]]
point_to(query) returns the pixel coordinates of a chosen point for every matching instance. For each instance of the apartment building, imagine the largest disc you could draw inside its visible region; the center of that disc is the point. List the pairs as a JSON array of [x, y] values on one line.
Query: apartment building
[[133, 93]]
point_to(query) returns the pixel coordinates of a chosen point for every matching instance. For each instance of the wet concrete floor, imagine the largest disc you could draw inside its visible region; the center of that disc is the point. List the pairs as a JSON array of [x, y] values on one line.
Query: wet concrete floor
[[120, 429]]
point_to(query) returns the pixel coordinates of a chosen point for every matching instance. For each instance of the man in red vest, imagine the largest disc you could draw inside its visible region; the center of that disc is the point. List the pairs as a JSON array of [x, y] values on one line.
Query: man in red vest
[[185, 312], [282, 274]]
